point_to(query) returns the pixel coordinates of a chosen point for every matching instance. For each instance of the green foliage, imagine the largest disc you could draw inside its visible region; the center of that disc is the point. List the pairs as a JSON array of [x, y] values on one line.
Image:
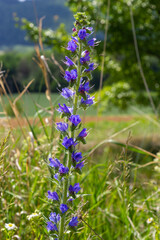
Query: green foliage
[[116, 95], [120, 45], [9, 109], [55, 39], [118, 205], [22, 69], [120, 61], [81, 20]]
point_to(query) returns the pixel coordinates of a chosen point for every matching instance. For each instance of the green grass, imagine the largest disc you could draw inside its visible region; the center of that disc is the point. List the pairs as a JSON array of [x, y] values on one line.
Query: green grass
[[28, 102], [120, 185], [122, 194]]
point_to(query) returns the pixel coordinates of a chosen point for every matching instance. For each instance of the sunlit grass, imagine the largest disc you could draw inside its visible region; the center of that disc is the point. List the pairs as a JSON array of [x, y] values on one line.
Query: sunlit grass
[[121, 195]]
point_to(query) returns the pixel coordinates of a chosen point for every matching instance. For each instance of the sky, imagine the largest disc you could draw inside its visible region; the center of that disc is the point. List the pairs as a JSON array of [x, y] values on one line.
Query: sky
[[23, 0]]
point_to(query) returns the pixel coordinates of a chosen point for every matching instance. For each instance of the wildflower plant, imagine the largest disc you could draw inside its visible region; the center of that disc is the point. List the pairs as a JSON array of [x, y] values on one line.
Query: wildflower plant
[[64, 219], [9, 230]]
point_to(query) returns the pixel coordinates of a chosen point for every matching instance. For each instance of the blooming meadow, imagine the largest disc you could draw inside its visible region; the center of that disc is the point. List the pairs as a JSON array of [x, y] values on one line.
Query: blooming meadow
[[78, 74], [93, 190]]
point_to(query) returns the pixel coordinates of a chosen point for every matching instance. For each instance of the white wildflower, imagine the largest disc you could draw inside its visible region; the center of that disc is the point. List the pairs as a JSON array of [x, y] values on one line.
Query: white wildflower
[[46, 120], [33, 215], [31, 137], [10, 226], [149, 220]]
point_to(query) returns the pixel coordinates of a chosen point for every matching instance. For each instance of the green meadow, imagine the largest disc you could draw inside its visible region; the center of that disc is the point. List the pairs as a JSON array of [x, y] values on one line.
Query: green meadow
[[44, 195], [119, 181], [31, 101]]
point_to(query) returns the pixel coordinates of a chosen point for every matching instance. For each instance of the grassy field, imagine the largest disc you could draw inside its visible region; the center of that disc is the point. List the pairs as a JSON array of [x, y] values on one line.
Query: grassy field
[[120, 183], [116, 196], [28, 102]]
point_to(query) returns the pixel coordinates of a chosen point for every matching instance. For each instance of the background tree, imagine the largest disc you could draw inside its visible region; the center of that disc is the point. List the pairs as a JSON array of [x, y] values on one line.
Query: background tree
[[120, 61]]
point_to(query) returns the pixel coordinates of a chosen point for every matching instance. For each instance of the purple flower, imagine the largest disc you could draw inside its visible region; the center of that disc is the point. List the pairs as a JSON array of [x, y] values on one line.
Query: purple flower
[[81, 136], [85, 57], [88, 101], [62, 126], [56, 176], [63, 208], [68, 62], [54, 217], [63, 170], [84, 88], [75, 119], [75, 39], [82, 34], [92, 42], [51, 227], [72, 46], [83, 133], [54, 163], [74, 30], [73, 222], [70, 75], [74, 189], [67, 93], [74, 74], [79, 165], [68, 142], [70, 200], [91, 67], [76, 156], [64, 109], [89, 28], [53, 196]]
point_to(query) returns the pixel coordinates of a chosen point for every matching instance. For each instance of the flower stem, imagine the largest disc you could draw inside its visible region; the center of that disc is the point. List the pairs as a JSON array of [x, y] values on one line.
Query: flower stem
[[78, 80], [65, 187], [66, 180]]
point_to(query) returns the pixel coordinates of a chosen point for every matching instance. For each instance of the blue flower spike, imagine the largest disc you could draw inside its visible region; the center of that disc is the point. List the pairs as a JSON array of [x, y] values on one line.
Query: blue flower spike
[[78, 73]]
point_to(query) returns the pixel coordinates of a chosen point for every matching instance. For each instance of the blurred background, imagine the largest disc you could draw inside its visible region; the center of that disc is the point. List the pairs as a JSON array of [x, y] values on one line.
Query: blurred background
[[128, 56]]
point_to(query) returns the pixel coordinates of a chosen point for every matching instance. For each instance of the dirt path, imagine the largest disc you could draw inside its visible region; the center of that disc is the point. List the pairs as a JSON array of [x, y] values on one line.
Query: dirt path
[[13, 122]]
